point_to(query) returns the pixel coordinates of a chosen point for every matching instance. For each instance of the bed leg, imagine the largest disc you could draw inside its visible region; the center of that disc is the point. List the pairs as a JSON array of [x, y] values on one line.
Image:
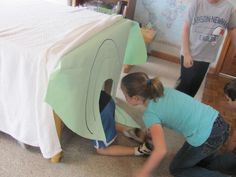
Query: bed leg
[[56, 158]]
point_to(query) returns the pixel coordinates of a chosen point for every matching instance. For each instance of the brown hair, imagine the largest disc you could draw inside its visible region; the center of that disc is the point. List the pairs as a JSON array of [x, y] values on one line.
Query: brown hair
[[138, 84], [230, 90]]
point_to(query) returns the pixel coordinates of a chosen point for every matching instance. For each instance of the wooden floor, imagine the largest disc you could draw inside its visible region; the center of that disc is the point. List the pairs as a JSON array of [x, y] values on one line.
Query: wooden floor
[[214, 95]]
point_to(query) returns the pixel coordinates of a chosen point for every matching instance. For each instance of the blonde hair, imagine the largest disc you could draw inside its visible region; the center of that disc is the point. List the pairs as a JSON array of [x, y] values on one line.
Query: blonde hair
[[138, 84]]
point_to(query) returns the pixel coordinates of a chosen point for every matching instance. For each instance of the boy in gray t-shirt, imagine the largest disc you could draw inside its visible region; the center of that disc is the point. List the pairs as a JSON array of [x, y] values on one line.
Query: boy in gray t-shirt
[[203, 31]]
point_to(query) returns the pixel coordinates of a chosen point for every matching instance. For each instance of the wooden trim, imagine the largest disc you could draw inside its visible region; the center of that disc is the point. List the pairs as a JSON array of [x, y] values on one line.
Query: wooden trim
[[174, 59], [165, 56], [224, 50], [212, 71], [216, 70]]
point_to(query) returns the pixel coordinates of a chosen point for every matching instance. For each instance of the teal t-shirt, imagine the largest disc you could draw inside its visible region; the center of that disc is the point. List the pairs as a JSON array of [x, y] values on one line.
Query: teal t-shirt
[[182, 113]]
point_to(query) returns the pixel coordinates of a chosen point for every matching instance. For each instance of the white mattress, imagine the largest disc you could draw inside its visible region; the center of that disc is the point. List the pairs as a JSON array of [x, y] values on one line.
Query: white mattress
[[34, 34]]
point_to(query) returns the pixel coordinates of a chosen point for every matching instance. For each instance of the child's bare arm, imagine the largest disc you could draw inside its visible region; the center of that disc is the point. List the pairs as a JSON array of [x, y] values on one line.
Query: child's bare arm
[[188, 61], [157, 155]]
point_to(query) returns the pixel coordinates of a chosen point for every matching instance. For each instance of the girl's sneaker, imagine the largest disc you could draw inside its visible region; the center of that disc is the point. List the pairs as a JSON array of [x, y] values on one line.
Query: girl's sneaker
[[143, 149]]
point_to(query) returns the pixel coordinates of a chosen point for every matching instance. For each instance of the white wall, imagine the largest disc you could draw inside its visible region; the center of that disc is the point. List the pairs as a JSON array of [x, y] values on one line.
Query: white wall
[[167, 16], [233, 2]]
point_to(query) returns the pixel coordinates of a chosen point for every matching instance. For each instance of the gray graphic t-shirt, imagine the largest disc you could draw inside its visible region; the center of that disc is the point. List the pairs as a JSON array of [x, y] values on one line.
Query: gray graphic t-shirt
[[208, 23]]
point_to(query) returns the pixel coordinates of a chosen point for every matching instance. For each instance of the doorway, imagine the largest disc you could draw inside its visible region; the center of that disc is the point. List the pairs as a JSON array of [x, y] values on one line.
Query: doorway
[[227, 61]]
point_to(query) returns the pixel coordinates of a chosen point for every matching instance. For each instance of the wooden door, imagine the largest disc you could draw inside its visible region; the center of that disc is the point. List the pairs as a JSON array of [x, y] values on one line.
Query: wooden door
[[229, 65], [227, 62]]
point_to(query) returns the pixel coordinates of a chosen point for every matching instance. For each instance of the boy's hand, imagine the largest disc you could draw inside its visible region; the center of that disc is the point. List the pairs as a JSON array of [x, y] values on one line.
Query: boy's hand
[[188, 61]]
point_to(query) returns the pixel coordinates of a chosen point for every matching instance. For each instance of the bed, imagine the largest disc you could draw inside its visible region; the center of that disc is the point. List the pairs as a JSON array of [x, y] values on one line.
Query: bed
[[53, 62]]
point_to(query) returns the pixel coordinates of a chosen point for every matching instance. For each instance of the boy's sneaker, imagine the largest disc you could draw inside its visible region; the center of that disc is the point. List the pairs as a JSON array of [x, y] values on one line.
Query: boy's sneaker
[[143, 149], [136, 134]]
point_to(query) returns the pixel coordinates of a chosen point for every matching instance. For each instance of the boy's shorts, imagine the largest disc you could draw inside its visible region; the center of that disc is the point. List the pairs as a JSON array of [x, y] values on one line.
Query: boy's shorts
[[108, 121]]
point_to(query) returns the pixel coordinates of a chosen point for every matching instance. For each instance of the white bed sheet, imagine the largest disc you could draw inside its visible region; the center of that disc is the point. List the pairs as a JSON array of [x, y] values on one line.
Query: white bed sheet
[[34, 34]]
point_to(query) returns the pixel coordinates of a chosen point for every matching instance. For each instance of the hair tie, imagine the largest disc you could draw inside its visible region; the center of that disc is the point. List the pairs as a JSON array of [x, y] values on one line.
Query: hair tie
[[149, 82]]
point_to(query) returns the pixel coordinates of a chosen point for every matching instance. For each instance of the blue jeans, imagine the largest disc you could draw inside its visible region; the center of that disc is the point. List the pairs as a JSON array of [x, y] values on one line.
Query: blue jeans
[[205, 160]]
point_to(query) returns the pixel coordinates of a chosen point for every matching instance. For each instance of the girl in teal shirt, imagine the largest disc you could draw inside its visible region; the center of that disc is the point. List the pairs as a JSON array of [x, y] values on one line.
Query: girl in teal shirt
[[204, 129]]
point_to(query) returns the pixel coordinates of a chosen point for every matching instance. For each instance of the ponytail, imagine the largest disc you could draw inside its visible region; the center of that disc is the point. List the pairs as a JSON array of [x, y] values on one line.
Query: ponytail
[[138, 84], [154, 88]]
